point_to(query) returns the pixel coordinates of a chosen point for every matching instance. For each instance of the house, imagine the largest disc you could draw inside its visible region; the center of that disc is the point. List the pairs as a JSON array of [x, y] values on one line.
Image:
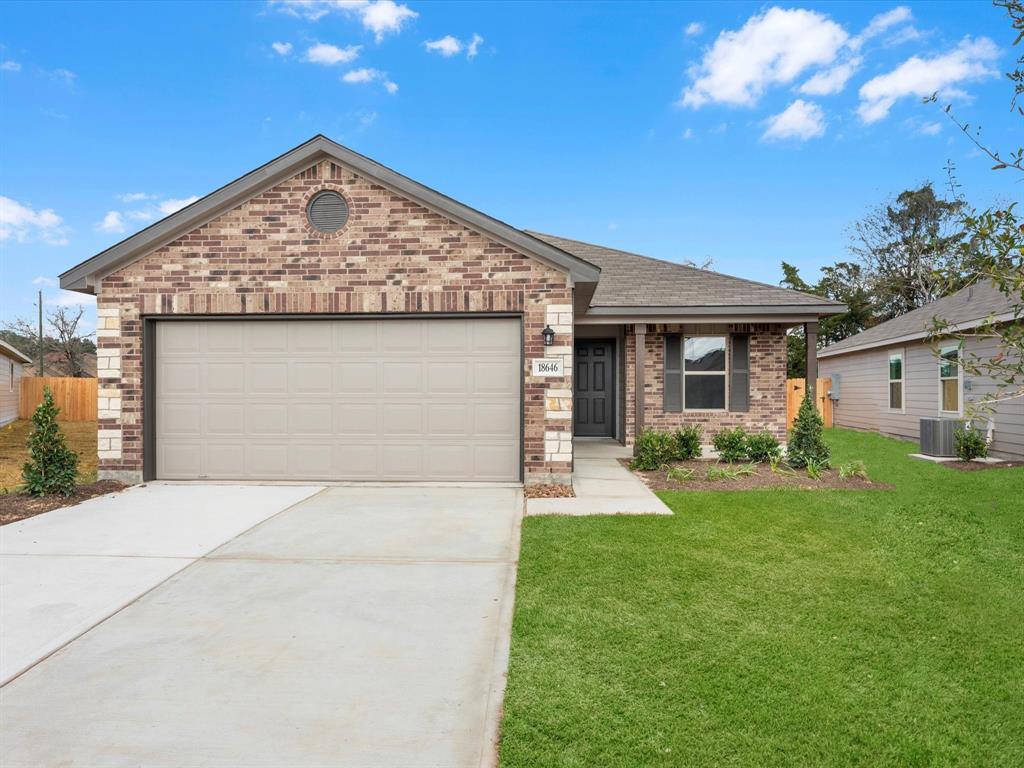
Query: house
[[887, 378], [324, 317], [11, 361], [56, 364]]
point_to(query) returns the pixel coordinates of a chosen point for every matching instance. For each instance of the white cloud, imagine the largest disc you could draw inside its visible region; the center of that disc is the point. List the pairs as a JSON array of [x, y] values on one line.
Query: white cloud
[[901, 14], [446, 46], [133, 197], [923, 77], [172, 205], [772, 48], [140, 215], [370, 75], [688, 134], [831, 80], [474, 46], [801, 120], [48, 282], [378, 16], [929, 129], [693, 29], [23, 224], [71, 299], [281, 49], [64, 74], [324, 53], [10, 66], [112, 222]]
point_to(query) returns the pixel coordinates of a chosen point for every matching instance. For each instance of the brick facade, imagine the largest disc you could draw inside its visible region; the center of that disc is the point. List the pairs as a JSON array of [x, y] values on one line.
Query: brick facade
[[393, 255], [767, 382]]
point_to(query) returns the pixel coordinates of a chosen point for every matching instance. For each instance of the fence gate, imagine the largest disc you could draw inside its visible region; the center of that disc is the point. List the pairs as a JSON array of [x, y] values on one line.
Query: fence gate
[[795, 389], [76, 397]]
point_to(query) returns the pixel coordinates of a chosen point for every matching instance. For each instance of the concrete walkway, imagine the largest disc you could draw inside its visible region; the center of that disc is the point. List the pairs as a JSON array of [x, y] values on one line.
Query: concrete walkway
[[65, 571], [602, 485], [362, 627]]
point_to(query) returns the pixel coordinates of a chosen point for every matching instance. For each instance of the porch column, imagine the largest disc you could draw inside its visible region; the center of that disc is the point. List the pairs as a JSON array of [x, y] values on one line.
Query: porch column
[[811, 334], [639, 332]]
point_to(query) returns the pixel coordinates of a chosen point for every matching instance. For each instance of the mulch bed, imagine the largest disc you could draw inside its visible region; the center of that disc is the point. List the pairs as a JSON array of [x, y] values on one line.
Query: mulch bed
[[18, 506], [657, 480], [549, 492], [974, 466]]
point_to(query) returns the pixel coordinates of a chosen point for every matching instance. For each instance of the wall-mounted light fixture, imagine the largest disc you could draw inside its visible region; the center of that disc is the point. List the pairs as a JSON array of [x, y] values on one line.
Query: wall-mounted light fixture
[[549, 336]]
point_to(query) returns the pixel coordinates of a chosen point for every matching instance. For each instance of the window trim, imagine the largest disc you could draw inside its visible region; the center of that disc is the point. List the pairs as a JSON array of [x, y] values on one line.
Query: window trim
[[901, 354], [723, 373], [959, 381]]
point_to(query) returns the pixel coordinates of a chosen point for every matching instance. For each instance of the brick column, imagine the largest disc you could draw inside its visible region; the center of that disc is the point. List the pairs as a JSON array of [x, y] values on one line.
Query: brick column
[[639, 332]]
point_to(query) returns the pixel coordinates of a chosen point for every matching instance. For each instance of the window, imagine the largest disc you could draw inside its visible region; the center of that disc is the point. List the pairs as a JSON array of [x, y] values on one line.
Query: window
[[704, 373], [12, 377], [949, 379], [896, 381]]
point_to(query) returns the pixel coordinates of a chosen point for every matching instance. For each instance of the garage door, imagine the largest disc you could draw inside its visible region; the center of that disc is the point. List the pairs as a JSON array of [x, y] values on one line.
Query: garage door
[[400, 399]]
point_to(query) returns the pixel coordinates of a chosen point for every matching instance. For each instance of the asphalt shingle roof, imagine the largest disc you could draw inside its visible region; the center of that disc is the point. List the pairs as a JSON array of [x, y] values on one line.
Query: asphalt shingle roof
[[968, 305], [632, 280]]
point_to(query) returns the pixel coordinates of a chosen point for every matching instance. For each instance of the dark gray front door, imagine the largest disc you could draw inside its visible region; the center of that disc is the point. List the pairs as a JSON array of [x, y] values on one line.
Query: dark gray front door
[[595, 388]]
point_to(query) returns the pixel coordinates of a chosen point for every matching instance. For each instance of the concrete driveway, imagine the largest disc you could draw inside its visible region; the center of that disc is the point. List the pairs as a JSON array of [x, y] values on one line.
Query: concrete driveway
[[359, 627]]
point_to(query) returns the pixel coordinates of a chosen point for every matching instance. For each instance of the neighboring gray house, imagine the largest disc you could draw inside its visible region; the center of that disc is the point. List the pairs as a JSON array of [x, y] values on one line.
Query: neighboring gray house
[[11, 361], [888, 377]]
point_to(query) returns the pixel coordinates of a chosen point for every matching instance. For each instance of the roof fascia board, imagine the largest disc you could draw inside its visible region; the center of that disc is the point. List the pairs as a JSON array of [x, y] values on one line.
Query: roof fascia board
[[719, 310], [722, 317], [14, 353], [208, 208], [917, 336]]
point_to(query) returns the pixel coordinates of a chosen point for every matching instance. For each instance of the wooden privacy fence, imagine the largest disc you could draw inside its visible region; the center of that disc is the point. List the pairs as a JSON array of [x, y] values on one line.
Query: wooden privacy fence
[[795, 395], [76, 398]]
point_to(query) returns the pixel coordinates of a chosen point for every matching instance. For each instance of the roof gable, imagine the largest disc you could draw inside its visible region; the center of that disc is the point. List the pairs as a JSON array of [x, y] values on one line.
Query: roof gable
[[83, 276]]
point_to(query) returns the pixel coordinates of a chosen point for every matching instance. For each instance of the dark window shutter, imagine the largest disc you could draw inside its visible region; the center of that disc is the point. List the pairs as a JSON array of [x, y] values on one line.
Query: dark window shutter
[[739, 385], [673, 395]]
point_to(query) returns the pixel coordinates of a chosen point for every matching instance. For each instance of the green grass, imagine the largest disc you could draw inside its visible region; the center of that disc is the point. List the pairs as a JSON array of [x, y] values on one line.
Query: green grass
[[778, 628]]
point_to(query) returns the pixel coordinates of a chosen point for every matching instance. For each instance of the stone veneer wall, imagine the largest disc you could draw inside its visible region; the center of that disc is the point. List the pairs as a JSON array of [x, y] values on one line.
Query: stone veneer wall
[[767, 382], [393, 255]]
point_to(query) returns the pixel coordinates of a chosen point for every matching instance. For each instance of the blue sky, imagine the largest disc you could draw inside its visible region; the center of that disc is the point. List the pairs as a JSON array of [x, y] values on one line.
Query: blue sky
[[749, 133]]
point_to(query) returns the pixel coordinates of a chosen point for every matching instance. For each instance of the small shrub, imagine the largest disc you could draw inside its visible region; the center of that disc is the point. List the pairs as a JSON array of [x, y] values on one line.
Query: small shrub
[[969, 443], [779, 467], [654, 450], [52, 466], [679, 474], [806, 443], [720, 473], [731, 444], [746, 470], [689, 439], [763, 447], [853, 469], [815, 468]]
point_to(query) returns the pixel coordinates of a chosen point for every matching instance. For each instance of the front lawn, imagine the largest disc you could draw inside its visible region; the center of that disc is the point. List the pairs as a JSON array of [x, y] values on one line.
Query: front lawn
[[779, 627], [80, 436]]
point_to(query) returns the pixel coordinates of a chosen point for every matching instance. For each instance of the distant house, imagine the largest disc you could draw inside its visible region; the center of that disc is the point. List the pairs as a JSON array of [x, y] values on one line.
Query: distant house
[[55, 364], [888, 377], [10, 381]]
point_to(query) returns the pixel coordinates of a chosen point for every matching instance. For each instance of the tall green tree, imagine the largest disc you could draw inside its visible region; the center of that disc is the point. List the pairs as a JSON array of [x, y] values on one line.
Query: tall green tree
[[905, 245]]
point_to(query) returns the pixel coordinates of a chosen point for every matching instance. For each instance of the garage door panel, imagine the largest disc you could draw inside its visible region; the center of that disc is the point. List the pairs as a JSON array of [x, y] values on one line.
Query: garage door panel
[[266, 378], [403, 399], [356, 419], [357, 378], [225, 419]]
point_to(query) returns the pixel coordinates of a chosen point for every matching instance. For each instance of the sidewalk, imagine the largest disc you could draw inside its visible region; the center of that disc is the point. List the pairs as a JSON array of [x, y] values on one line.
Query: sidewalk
[[602, 485]]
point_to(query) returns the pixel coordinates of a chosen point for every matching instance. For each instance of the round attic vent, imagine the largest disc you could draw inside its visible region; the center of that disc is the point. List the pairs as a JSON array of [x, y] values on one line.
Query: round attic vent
[[327, 212]]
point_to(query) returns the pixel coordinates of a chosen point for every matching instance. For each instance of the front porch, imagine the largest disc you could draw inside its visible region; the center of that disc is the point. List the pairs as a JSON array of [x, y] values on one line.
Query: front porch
[[628, 377]]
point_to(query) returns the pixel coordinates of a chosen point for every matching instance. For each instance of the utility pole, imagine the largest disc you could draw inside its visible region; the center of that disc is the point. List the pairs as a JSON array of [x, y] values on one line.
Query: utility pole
[[40, 333]]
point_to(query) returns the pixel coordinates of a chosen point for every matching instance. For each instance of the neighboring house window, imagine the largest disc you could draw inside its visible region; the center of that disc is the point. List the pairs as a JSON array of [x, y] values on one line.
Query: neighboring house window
[[12, 377], [949, 379], [704, 373], [895, 381]]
